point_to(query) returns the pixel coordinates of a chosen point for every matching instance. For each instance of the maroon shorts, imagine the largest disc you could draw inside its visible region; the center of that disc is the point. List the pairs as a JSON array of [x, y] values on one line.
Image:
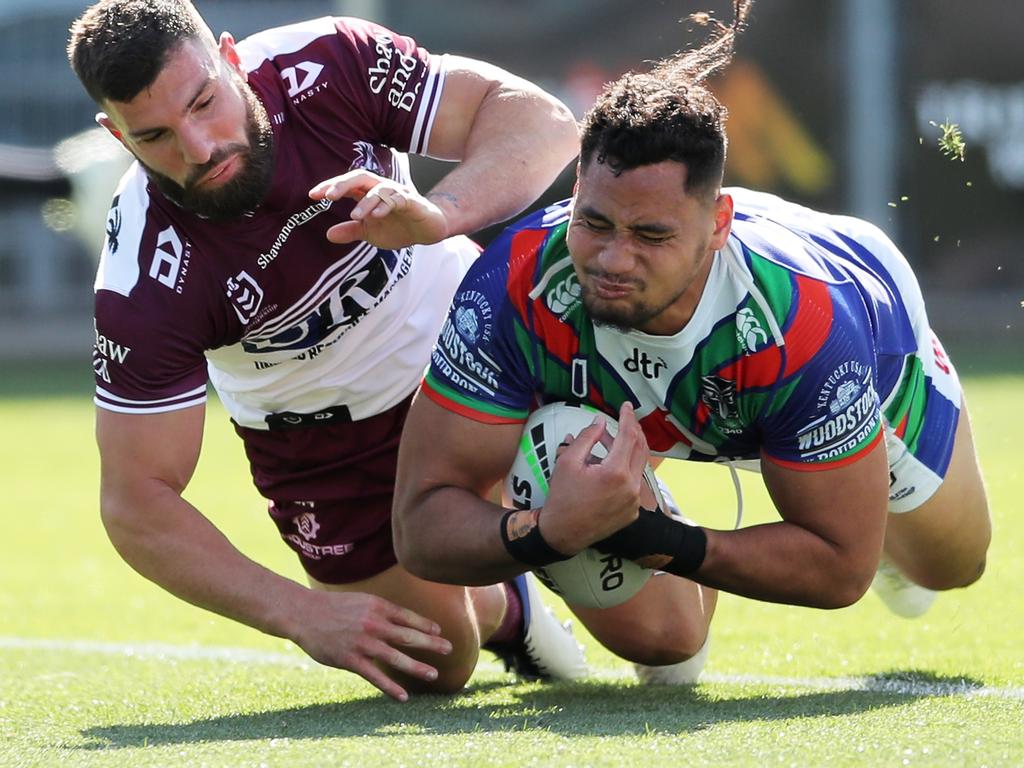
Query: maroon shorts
[[330, 490]]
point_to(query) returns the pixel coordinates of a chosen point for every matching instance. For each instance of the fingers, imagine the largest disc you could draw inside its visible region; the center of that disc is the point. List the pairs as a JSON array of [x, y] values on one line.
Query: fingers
[[406, 618], [354, 184], [640, 453], [578, 449], [399, 628], [376, 677], [382, 200], [347, 232], [629, 449], [373, 637], [375, 195]]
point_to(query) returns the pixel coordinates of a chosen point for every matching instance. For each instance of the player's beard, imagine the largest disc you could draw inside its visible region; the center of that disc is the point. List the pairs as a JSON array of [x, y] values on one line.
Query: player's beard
[[636, 311], [241, 194], [622, 316]]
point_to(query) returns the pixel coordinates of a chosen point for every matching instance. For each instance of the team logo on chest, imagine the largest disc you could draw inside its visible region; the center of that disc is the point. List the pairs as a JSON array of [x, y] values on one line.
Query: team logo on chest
[[245, 295], [365, 156], [719, 395]]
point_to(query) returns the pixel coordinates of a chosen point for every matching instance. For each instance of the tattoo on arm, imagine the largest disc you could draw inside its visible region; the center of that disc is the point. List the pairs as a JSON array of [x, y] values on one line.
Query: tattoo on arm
[[445, 196], [521, 523]]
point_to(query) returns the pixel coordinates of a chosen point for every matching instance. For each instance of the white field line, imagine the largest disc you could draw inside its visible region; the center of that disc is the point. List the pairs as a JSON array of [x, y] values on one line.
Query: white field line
[[165, 651]]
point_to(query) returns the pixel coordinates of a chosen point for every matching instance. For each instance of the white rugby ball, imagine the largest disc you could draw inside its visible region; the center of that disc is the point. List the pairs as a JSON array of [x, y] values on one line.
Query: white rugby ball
[[589, 578]]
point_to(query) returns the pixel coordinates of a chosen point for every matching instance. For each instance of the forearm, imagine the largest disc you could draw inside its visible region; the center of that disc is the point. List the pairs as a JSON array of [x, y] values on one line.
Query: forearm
[[177, 548], [782, 563], [451, 535], [778, 562], [520, 140]]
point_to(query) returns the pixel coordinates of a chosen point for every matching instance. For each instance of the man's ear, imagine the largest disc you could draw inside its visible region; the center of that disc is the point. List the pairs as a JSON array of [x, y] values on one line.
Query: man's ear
[[103, 119], [723, 221], [228, 51]]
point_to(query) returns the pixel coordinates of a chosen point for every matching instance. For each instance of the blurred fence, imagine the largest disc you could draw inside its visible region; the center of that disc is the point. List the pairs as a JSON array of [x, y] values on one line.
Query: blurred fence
[[835, 103]]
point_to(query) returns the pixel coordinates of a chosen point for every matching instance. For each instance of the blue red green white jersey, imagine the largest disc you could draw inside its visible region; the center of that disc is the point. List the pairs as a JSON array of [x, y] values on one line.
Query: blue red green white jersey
[[810, 340]]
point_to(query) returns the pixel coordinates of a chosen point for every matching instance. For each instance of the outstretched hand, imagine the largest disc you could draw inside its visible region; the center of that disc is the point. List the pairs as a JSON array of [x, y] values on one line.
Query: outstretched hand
[[366, 634], [587, 499], [387, 214]]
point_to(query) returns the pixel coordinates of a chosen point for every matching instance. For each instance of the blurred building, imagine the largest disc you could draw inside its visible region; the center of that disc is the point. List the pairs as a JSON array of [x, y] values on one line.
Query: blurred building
[[837, 103]]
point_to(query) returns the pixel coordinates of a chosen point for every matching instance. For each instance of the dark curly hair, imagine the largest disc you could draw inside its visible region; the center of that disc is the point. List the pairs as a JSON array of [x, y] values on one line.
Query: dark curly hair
[[118, 47], [668, 113]]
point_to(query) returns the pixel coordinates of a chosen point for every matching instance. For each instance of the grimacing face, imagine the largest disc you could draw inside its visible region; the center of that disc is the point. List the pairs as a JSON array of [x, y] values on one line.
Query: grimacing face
[[641, 246], [200, 132]]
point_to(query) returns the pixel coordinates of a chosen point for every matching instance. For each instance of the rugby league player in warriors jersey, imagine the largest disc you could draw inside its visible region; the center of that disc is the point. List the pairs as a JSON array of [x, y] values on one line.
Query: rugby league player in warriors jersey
[[269, 239], [716, 325]]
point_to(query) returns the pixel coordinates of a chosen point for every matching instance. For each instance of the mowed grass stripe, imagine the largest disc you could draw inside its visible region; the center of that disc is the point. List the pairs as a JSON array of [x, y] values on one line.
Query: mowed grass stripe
[[164, 651]]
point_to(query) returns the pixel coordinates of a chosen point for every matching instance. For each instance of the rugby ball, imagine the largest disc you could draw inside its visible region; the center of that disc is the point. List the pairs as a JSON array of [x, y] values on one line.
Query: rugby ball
[[589, 578]]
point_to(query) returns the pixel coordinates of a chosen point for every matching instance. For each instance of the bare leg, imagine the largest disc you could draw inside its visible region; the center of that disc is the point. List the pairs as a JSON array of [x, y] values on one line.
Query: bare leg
[[666, 622], [942, 544]]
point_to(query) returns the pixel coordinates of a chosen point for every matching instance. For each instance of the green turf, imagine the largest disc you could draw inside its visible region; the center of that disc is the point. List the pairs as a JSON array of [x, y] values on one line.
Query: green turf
[[788, 686]]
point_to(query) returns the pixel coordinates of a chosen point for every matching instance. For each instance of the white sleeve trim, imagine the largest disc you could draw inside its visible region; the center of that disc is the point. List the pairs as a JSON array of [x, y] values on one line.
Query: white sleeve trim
[[432, 93]]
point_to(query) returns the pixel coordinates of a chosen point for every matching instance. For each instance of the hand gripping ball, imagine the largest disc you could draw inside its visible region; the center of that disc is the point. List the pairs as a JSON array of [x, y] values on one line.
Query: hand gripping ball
[[589, 578]]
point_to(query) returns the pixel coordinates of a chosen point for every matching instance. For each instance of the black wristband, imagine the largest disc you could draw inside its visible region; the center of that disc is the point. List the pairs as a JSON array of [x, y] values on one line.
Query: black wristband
[[524, 542], [653, 534]]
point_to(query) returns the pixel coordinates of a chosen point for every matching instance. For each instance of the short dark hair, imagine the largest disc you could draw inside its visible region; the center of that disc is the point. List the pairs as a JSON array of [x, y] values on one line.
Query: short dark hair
[[118, 47], [667, 113]]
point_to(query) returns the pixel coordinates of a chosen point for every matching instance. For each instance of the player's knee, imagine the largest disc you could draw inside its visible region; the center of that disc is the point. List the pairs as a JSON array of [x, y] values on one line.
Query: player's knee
[[953, 576], [668, 643]]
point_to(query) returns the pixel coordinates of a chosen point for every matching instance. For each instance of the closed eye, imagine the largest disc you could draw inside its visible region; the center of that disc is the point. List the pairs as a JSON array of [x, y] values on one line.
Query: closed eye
[[653, 239], [594, 224]]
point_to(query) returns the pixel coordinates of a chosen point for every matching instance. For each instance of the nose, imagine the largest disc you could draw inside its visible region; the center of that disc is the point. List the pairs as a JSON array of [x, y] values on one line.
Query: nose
[[196, 146], [616, 256]]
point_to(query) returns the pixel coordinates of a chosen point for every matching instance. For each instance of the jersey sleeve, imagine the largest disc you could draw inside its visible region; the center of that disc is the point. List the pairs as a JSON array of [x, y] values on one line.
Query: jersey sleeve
[[480, 365], [141, 365], [826, 413], [390, 80], [149, 321]]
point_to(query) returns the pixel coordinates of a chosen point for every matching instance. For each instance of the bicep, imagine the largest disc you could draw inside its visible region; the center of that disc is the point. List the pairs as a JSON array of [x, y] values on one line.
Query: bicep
[[138, 450], [443, 449], [845, 506], [468, 84]]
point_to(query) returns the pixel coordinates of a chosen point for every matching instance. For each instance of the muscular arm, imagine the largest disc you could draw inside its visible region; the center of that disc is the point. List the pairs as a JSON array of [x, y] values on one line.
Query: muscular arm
[[512, 140], [146, 462], [825, 550], [446, 531]]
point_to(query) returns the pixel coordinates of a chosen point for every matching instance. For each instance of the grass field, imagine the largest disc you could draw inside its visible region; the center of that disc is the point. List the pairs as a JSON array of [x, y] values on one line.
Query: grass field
[[100, 668]]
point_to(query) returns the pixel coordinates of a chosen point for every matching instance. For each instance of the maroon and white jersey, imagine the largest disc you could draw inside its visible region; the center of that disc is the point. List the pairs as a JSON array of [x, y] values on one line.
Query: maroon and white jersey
[[283, 322]]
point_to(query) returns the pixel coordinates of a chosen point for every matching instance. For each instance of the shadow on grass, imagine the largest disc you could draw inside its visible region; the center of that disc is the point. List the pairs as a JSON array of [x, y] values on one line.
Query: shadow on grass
[[589, 708]]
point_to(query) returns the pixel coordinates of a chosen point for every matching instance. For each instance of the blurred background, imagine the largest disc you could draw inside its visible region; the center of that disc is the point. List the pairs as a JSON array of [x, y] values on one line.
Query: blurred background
[[835, 103]]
